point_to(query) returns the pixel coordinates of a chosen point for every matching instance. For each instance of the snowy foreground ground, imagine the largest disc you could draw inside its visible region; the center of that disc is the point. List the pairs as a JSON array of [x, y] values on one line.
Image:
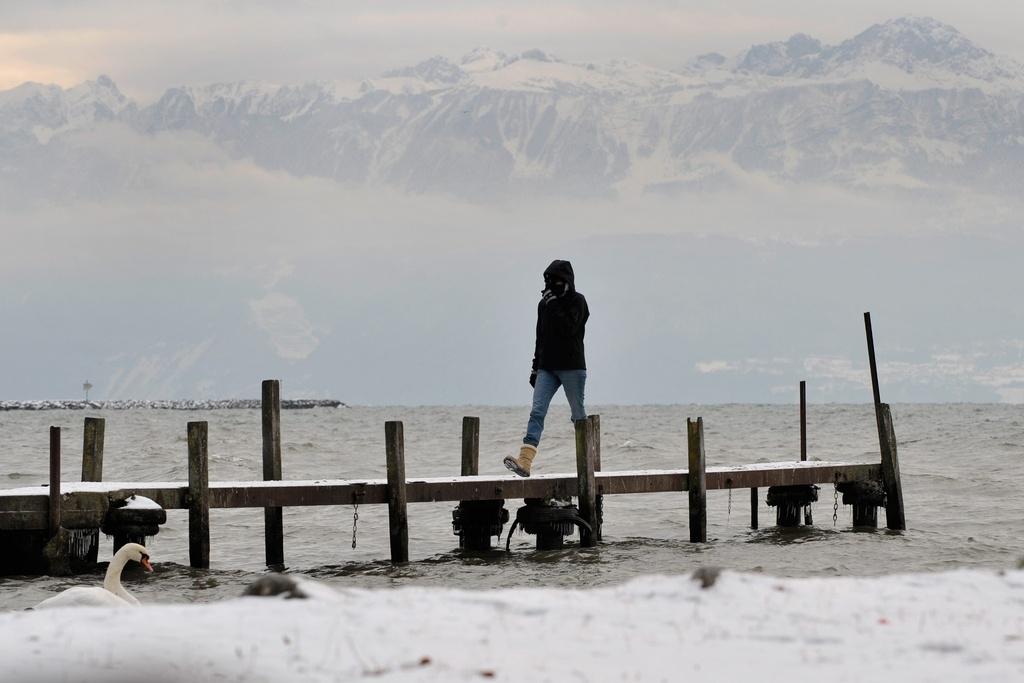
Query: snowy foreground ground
[[958, 626]]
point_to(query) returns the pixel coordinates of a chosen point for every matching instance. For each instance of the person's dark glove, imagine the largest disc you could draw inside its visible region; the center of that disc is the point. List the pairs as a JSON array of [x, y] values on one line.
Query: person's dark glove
[[547, 296], [533, 378]]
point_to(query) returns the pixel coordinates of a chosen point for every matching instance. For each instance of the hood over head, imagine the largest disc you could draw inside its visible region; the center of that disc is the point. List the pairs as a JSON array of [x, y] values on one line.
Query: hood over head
[[561, 270]]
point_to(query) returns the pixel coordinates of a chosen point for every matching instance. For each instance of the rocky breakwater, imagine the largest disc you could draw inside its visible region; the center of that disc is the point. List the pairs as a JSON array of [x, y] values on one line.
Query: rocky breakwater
[[224, 404]]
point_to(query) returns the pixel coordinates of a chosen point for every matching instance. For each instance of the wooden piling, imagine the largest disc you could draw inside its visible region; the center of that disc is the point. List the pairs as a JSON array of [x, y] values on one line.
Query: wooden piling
[[586, 456], [696, 483], [273, 518], [470, 446], [803, 421], [92, 449], [198, 496], [55, 554], [92, 470], [894, 517], [874, 369], [473, 536], [598, 499], [876, 393], [398, 518], [754, 502], [54, 503], [808, 514]]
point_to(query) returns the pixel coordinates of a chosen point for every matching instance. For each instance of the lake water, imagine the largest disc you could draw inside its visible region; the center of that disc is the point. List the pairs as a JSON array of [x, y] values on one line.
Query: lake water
[[961, 466]]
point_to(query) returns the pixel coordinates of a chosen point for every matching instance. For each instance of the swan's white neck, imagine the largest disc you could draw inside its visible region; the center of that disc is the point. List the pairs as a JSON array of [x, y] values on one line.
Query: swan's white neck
[[112, 580]]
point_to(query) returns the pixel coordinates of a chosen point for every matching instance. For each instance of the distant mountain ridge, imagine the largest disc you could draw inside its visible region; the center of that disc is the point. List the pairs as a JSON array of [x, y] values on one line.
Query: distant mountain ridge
[[910, 104], [908, 44]]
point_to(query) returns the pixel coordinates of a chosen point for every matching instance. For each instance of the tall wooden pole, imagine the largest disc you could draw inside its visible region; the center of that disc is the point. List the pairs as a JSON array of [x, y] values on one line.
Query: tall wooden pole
[[894, 516], [92, 470], [472, 536], [92, 449], [398, 518], [273, 519], [470, 446], [695, 481], [54, 502], [803, 420], [586, 456], [198, 496], [598, 498], [808, 514], [876, 393]]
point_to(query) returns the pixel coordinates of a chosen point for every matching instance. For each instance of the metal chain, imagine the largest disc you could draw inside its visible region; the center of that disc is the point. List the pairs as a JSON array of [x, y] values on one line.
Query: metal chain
[[835, 505], [728, 483], [355, 520]]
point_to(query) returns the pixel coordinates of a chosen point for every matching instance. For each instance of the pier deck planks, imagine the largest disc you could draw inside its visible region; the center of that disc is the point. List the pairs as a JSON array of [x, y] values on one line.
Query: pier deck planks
[[26, 508]]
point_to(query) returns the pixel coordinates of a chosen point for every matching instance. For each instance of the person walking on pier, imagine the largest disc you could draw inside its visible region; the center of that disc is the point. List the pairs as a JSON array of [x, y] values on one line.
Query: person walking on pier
[[558, 358]]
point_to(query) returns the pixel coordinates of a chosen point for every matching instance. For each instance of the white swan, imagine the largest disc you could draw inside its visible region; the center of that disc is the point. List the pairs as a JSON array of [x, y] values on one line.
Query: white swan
[[112, 593]]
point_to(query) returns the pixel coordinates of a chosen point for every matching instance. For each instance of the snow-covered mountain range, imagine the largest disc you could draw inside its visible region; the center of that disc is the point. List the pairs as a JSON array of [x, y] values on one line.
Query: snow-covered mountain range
[[910, 104]]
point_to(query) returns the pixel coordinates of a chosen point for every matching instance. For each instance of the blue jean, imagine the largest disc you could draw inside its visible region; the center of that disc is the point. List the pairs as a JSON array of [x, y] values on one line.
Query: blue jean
[[544, 390]]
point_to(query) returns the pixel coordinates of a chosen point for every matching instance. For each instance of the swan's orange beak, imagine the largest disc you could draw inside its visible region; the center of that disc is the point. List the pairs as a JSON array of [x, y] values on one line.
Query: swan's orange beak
[[145, 564]]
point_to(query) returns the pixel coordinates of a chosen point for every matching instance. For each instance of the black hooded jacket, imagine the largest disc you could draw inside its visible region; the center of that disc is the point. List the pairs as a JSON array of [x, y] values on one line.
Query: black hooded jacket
[[561, 323]]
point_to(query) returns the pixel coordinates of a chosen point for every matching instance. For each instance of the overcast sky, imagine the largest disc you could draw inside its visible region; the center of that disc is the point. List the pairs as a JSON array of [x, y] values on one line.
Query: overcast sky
[[215, 273], [148, 46]]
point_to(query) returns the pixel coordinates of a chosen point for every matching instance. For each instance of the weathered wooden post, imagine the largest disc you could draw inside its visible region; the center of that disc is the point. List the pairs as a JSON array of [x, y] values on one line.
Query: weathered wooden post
[[55, 553], [790, 500], [695, 481], [894, 517], [754, 500], [53, 519], [198, 496], [398, 519], [808, 515], [470, 446], [598, 499], [803, 421], [874, 371], [586, 456], [92, 449], [92, 470], [273, 519], [476, 521]]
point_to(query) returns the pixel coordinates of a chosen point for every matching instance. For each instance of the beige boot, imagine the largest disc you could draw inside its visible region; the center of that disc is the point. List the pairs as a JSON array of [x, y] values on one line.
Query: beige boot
[[521, 464]]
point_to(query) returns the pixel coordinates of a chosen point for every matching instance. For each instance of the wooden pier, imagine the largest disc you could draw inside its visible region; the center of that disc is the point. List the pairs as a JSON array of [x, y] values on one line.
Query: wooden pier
[[27, 508], [85, 505]]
